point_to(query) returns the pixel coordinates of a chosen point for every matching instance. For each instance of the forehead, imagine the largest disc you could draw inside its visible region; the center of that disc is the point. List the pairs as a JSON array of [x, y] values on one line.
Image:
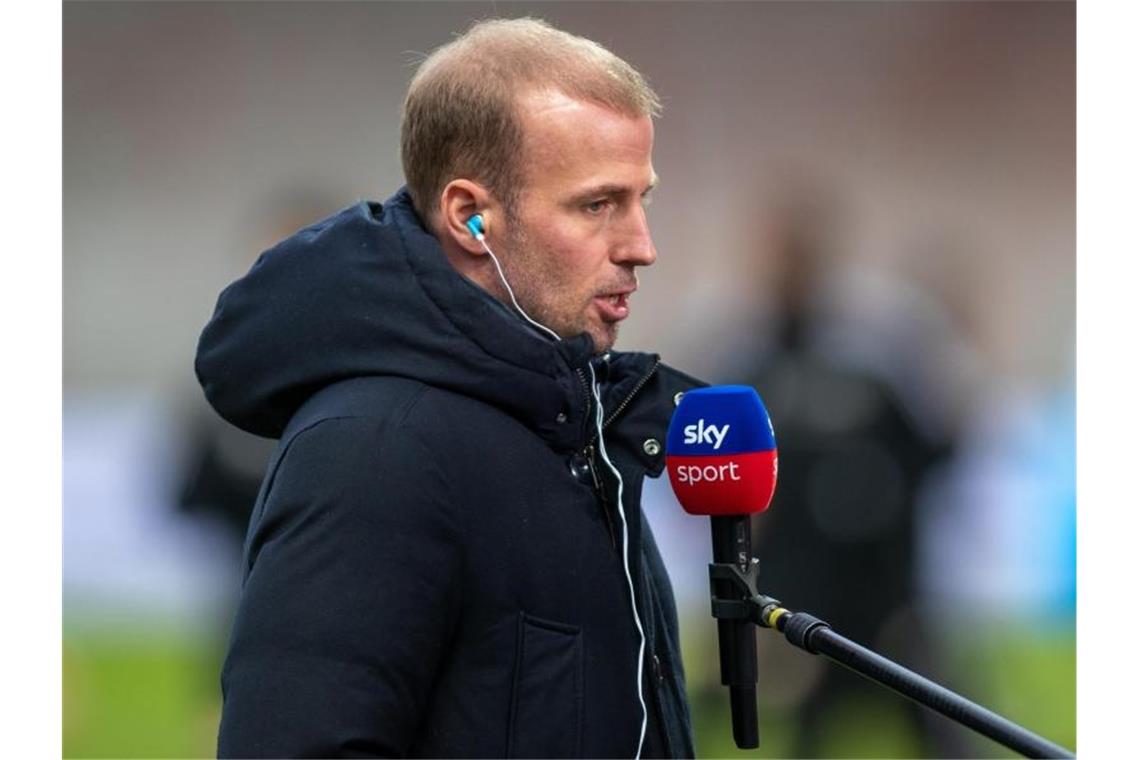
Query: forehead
[[573, 142]]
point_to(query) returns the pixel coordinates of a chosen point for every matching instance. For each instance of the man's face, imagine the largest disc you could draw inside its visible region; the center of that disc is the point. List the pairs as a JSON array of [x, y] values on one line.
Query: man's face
[[579, 230]]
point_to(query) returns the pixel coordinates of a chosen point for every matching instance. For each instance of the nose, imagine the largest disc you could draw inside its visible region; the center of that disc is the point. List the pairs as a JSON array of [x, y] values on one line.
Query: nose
[[635, 245]]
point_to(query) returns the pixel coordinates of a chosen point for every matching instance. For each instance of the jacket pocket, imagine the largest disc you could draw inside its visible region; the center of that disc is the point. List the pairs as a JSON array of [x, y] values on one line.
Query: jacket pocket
[[546, 693]]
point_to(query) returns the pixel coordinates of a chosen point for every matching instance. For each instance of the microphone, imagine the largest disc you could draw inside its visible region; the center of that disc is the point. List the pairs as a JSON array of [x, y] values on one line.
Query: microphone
[[720, 452]]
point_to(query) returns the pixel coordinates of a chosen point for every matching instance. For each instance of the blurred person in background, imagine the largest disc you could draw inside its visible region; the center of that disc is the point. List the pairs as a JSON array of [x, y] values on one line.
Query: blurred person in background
[[223, 465], [855, 447], [448, 556], [220, 470]]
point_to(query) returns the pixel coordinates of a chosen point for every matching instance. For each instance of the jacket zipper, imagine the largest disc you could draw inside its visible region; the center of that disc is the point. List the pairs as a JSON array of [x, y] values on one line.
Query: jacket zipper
[[626, 401], [599, 488], [592, 463], [654, 665], [589, 396], [589, 450]]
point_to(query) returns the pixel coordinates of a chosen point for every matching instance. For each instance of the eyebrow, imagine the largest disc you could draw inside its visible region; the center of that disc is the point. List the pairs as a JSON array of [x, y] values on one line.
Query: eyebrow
[[611, 189]]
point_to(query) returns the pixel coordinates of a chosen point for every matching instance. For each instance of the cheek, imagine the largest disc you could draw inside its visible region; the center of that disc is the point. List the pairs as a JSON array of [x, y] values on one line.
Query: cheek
[[562, 262], [578, 275], [569, 262]]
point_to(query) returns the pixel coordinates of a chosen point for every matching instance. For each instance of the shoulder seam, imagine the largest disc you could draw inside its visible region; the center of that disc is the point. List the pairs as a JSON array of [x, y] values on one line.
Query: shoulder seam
[[271, 476], [270, 479]]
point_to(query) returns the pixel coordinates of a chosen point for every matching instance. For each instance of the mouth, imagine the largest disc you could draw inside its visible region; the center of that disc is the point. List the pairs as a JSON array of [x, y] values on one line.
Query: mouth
[[614, 306]]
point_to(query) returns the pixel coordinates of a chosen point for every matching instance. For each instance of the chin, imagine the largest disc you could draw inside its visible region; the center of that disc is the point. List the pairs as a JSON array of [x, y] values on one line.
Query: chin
[[604, 339]]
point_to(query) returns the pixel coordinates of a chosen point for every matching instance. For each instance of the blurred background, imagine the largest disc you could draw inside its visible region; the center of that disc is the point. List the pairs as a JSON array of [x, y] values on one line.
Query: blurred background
[[866, 211]]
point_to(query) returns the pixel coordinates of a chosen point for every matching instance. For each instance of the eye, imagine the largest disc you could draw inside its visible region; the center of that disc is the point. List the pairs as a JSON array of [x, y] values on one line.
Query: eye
[[596, 207]]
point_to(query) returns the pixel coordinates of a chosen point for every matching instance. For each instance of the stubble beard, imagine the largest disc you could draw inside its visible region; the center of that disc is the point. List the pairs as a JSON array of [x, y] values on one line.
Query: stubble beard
[[522, 266]]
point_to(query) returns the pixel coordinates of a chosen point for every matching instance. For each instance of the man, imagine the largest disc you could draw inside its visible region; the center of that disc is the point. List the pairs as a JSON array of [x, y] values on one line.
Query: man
[[447, 556]]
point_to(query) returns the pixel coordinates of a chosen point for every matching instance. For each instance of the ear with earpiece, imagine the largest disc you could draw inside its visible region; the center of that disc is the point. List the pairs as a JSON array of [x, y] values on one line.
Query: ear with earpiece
[[462, 216], [476, 225]]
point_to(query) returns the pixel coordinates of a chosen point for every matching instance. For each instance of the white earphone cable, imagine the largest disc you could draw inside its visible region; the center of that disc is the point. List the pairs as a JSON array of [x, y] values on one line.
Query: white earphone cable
[[482, 239], [625, 559]]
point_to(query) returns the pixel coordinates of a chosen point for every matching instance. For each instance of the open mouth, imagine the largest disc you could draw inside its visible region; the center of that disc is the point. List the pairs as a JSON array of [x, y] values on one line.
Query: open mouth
[[614, 306]]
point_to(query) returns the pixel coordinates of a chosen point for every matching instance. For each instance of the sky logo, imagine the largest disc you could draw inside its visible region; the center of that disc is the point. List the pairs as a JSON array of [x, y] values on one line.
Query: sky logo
[[711, 434]]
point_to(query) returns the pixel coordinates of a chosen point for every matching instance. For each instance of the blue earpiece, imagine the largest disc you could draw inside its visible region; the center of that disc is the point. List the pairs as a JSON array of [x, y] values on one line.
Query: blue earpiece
[[475, 224]]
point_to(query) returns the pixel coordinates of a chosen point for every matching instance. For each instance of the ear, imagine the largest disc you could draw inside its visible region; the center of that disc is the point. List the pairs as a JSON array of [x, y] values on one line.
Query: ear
[[460, 200]]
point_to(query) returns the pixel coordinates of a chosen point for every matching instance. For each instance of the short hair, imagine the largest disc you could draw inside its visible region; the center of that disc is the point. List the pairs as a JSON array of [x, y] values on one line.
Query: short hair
[[461, 117]]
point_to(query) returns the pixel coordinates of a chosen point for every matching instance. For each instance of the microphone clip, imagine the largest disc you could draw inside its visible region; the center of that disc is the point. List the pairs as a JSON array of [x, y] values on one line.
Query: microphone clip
[[746, 603]]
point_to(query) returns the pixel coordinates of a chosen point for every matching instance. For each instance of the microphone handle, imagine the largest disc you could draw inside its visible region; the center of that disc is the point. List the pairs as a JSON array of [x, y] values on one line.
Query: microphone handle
[[732, 543]]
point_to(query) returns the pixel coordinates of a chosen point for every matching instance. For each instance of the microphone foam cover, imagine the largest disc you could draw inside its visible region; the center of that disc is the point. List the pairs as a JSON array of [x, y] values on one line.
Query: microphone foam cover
[[721, 452]]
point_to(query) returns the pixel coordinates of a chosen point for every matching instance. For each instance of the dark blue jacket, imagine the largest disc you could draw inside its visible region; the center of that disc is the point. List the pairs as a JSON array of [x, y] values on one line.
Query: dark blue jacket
[[434, 565]]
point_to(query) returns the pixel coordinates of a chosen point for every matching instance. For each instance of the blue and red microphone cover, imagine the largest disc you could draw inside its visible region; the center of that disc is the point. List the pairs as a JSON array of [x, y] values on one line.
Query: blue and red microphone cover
[[721, 451]]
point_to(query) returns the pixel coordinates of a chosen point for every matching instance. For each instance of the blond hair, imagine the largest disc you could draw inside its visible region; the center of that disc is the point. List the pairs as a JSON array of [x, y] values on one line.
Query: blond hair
[[461, 117]]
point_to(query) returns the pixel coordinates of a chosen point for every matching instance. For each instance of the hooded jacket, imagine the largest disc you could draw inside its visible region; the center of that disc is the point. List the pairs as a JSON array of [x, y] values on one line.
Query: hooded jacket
[[440, 561]]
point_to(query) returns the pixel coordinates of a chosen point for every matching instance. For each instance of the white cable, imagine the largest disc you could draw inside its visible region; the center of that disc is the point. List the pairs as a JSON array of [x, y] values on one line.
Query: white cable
[[625, 559], [480, 237]]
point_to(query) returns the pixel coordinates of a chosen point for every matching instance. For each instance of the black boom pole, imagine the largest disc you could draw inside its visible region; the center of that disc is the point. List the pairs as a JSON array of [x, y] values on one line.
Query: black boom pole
[[813, 635]]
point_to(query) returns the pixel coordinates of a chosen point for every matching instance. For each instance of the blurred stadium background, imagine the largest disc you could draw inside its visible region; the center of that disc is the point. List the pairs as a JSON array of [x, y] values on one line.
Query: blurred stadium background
[[867, 210]]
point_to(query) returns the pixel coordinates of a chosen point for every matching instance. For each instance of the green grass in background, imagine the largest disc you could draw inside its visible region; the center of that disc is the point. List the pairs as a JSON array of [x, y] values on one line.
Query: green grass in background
[[157, 695], [1022, 672], [129, 697], [863, 728], [1028, 675]]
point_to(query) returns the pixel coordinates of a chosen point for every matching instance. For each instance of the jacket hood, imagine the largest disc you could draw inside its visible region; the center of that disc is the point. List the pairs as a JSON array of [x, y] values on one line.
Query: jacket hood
[[369, 291]]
